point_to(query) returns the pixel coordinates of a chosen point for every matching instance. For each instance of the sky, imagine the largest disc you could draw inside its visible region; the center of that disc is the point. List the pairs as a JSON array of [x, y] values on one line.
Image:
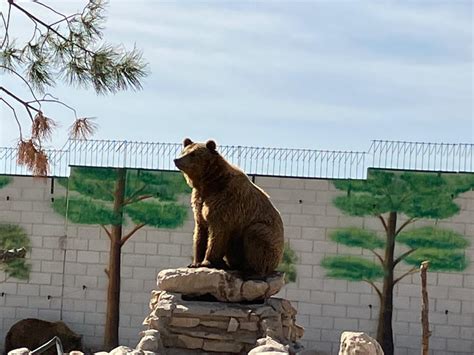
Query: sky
[[295, 74]]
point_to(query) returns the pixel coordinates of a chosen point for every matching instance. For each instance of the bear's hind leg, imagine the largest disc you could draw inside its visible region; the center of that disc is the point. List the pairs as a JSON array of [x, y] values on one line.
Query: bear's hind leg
[[262, 250]]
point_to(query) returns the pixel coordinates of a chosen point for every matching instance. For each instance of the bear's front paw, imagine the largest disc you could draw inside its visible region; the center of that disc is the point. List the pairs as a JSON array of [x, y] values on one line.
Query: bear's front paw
[[206, 263], [195, 265], [215, 264]]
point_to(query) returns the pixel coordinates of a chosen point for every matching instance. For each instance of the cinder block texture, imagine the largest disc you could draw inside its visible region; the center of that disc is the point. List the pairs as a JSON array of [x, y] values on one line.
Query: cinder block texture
[[75, 287]]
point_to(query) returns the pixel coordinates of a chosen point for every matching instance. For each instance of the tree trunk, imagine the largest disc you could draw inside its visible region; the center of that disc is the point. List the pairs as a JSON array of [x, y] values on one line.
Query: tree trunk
[[111, 334], [384, 329], [425, 338]]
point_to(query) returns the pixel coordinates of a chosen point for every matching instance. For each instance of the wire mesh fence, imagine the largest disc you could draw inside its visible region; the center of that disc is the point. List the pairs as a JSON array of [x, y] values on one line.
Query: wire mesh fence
[[257, 160]]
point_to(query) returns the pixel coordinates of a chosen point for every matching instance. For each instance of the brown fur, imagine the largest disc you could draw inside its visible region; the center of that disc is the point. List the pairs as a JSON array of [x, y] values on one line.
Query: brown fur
[[236, 225], [32, 333]]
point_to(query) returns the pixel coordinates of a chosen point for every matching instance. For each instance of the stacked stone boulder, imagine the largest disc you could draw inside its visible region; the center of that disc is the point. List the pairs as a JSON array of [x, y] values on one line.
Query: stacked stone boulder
[[207, 310]]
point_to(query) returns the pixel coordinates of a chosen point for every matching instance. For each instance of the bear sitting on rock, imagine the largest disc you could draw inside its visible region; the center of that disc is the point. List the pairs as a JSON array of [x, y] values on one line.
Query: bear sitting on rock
[[236, 225]]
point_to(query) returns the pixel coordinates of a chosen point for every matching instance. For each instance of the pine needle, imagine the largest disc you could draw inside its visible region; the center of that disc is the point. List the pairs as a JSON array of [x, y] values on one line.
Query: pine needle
[[82, 128], [42, 127], [33, 157]]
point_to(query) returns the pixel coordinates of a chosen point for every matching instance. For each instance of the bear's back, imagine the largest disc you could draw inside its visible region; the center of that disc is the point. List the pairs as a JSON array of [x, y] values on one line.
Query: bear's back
[[32, 333]]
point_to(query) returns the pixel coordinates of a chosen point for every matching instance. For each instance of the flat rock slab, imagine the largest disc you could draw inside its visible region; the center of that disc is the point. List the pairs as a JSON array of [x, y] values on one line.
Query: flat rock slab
[[224, 286]]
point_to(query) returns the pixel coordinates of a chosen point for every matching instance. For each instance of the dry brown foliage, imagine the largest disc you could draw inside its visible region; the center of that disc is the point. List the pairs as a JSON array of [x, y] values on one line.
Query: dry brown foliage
[[33, 157], [42, 127], [82, 128]]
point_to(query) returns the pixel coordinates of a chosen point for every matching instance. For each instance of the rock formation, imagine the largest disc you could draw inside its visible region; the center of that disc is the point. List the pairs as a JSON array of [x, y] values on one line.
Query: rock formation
[[208, 310]]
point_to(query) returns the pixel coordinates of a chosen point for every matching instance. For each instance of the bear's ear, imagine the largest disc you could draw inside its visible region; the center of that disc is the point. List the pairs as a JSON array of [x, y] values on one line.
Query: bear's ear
[[211, 145], [187, 142]]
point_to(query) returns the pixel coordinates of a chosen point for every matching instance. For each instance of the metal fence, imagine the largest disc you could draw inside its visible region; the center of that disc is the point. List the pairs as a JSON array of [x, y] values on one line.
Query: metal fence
[[260, 161], [422, 156]]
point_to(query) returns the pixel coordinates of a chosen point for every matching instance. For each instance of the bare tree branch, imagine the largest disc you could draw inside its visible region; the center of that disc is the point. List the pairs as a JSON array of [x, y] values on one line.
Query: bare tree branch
[[54, 100], [106, 231], [384, 223], [28, 107], [411, 271], [377, 255], [130, 234], [403, 256], [407, 222], [14, 115], [141, 198], [6, 23], [24, 81], [371, 283]]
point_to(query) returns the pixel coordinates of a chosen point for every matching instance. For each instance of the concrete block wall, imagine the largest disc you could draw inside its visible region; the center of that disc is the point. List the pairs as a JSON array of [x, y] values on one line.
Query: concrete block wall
[[68, 279], [326, 307]]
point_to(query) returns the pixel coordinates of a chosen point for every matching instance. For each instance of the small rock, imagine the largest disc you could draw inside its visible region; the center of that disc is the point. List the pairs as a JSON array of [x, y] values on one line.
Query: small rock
[[190, 342], [269, 346], [19, 351], [150, 341], [121, 350], [359, 343], [102, 353], [233, 325], [184, 322], [254, 290], [222, 346], [76, 352]]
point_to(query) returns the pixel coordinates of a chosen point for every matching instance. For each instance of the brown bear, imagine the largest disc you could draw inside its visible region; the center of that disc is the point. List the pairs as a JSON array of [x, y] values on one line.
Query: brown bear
[[236, 225], [31, 333]]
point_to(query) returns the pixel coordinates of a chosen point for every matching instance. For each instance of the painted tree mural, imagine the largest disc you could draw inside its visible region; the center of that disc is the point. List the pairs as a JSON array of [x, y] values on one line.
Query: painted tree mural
[[397, 200], [14, 243], [114, 198], [287, 264]]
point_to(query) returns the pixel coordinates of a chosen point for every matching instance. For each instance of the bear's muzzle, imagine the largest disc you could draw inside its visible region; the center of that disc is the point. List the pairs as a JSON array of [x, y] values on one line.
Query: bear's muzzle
[[177, 162]]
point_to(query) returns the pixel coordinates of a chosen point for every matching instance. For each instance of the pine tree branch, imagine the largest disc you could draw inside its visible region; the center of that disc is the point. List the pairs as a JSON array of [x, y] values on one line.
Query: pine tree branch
[[141, 198], [6, 23], [134, 194], [371, 283], [53, 100], [50, 28], [14, 115], [377, 255], [107, 231], [409, 272], [407, 222], [384, 223], [130, 234], [28, 107], [53, 10], [403, 256], [13, 71]]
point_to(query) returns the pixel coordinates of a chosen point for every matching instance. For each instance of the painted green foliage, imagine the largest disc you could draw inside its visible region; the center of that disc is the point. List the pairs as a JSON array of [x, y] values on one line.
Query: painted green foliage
[[150, 198], [287, 264], [4, 180], [13, 237], [415, 195], [397, 200], [114, 198]]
